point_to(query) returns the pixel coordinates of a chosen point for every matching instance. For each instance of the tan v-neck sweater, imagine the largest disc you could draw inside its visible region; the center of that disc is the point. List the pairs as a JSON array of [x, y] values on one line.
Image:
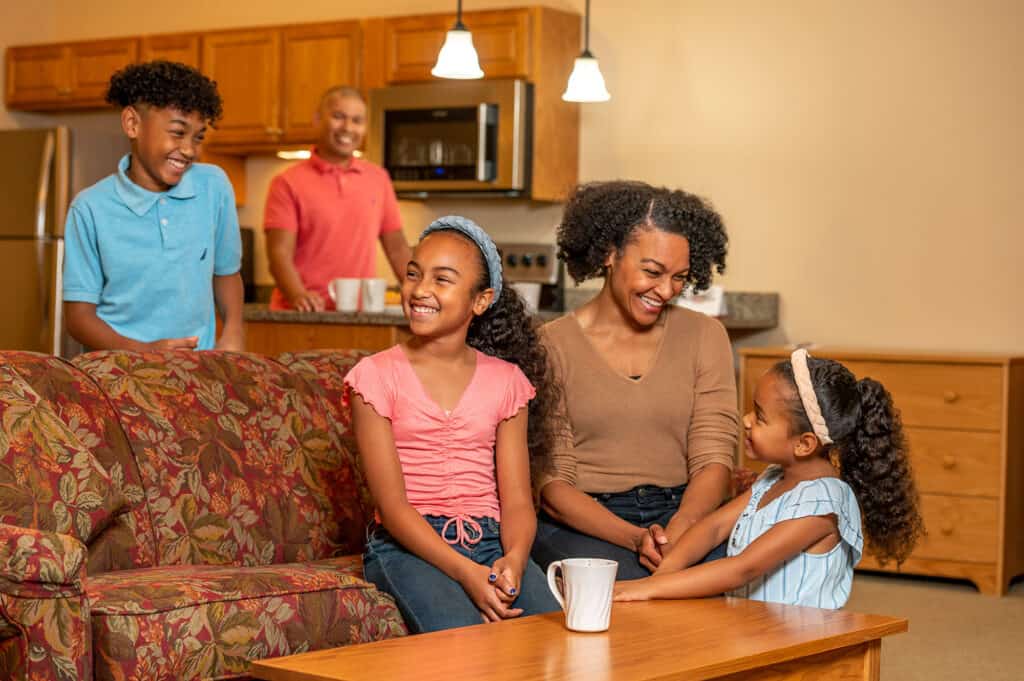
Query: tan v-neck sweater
[[659, 430]]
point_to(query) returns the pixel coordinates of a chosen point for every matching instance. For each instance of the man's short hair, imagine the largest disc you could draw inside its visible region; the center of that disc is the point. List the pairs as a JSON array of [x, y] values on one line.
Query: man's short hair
[[340, 91]]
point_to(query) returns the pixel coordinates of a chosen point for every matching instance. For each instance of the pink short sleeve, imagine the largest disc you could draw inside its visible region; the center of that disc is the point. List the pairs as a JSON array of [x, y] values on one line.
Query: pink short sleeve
[[517, 395], [281, 210], [372, 384]]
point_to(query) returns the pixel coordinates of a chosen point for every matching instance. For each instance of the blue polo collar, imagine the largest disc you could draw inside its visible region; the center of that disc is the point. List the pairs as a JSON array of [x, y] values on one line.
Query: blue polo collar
[[140, 200]]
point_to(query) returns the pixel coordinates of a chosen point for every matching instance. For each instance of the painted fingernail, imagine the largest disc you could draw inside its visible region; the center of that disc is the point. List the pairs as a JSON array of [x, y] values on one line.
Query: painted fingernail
[[512, 591], [492, 577]]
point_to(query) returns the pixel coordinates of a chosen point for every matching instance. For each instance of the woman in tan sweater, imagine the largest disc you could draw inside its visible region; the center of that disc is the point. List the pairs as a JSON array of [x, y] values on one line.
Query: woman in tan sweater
[[649, 388]]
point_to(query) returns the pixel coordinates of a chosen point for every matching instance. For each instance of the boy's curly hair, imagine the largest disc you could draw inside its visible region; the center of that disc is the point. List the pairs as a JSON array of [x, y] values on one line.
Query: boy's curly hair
[[507, 332], [166, 84], [605, 216], [871, 451]]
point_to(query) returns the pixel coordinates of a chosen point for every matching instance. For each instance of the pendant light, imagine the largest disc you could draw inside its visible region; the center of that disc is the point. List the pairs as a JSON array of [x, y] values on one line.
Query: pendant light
[[457, 58], [586, 84]]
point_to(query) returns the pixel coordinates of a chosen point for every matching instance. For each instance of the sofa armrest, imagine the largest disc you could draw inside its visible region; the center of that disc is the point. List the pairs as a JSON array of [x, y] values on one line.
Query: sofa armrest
[[44, 613], [40, 564]]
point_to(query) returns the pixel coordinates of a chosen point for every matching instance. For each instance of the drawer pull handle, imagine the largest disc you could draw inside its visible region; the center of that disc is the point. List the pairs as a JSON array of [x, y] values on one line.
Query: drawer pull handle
[[946, 528], [274, 131], [948, 462], [949, 397]]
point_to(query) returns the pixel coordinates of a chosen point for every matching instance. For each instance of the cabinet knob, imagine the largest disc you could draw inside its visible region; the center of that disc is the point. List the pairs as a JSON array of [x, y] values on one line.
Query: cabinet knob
[[64, 91], [274, 131], [949, 397], [946, 528], [948, 461]]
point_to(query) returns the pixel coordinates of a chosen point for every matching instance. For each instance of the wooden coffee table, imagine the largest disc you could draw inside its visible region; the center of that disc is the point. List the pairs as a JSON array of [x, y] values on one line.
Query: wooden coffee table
[[719, 638]]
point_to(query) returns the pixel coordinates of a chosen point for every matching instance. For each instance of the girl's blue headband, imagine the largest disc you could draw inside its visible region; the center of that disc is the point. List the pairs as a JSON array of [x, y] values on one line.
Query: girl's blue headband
[[483, 241]]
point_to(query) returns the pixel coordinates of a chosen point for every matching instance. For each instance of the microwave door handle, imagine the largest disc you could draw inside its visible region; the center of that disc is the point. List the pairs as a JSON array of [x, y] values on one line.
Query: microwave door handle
[[481, 142]]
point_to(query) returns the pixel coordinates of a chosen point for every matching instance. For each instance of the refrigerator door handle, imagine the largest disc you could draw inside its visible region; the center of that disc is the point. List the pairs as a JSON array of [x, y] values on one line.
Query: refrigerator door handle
[[44, 185]]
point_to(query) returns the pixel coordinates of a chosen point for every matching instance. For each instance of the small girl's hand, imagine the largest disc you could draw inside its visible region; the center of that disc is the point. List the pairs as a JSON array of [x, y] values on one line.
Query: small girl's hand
[[507, 575], [481, 591], [632, 590]]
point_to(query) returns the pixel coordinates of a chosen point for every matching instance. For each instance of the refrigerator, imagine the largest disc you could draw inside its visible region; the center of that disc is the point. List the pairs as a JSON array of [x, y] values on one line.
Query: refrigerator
[[40, 172]]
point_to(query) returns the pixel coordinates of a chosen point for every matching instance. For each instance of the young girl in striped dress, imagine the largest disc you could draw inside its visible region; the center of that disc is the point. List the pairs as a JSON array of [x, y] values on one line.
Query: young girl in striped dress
[[836, 449]]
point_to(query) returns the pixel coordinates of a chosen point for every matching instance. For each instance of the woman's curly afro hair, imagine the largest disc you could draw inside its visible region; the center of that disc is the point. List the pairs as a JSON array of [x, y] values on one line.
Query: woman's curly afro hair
[[604, 216], [166, 84]]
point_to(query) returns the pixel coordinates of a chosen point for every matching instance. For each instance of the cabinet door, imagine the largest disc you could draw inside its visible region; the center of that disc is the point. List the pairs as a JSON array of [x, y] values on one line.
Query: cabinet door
[[37, 76], [315, 58], [246, 66], [92, 65], [182, 48], [501, 38]]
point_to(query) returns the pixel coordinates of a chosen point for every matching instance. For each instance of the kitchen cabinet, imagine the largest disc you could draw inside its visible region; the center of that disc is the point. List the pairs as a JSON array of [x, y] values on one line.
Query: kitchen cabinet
[[272, 338], [181, 47], [963, 417], [247, 67], [67, 76], [501, 38], [316, 57]]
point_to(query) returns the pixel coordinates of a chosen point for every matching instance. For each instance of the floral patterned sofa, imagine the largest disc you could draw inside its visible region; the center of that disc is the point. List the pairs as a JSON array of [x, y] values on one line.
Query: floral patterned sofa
[[177, 515]]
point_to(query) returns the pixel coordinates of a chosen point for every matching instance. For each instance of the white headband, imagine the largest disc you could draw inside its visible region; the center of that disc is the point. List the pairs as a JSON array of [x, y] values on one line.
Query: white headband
[[802, 376]]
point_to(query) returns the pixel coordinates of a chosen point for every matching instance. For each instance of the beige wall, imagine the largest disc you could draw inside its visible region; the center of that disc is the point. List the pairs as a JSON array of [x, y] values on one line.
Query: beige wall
[[864, 155]]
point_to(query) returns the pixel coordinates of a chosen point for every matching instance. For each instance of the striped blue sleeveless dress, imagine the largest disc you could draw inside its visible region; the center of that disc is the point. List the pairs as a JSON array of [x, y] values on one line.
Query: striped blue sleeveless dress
[[821, 580]]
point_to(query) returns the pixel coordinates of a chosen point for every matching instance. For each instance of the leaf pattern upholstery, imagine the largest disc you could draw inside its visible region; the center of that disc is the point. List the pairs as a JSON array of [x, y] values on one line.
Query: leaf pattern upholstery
[[237, 495]]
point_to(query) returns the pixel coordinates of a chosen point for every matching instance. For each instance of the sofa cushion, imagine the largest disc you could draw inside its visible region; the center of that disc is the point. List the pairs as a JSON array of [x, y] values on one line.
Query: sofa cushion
[[238, 457], [78, 401], [186, 622], [325, 371], [49, 479]]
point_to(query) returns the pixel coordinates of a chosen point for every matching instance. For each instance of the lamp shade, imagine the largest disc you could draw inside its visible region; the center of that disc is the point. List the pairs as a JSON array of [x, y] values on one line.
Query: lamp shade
[[586, 84], [457, 58]]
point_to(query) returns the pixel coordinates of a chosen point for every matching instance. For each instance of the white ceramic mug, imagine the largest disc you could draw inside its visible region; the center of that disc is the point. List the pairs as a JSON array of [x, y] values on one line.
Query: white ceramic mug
[[586, 593], [373, 294], [345, 294]]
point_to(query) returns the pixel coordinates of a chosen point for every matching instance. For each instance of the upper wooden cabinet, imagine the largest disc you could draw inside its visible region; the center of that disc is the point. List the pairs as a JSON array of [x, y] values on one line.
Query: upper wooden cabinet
[[501, 38], [247, 68], [70, 76], [182, 47], [315, 57]]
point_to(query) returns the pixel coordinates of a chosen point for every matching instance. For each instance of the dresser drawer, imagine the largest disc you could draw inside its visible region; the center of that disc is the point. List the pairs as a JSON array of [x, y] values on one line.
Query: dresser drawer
[[959, 528], [929, 394], [959, 462]]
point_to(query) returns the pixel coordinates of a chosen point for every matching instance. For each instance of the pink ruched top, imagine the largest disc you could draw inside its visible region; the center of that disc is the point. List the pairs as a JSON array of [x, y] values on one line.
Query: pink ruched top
[[447, 459]]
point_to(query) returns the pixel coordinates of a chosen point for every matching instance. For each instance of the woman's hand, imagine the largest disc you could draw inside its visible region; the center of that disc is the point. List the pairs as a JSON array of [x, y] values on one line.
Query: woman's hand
[[633, 590], [508, 575], [647, 549], [476, 582]]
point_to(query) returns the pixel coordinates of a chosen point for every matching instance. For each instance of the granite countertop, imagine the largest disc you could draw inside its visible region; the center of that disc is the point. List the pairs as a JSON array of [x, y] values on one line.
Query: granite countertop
[[746, 311]]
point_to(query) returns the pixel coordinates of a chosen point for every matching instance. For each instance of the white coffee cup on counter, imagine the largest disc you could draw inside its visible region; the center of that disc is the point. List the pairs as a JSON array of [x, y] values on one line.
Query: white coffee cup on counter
[[345, 294], [374, 291], [586, 591]]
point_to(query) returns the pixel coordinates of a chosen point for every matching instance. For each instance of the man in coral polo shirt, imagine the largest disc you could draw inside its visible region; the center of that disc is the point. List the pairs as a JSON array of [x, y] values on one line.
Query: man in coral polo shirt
[[324, 215]]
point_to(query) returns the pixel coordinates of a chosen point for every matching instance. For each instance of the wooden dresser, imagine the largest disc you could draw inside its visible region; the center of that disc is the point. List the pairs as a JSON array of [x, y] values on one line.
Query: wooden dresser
[[964, 420]]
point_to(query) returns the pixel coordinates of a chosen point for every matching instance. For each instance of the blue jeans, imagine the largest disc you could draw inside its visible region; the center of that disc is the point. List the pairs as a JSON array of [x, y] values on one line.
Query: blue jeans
[[642, 506], [430, 600]]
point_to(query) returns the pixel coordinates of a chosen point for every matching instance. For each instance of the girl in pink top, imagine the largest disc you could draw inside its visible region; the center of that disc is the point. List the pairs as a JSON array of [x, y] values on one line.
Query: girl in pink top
[[445, 436]]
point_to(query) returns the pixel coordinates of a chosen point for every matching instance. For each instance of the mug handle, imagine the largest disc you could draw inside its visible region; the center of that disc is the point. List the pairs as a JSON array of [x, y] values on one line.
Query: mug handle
[[556, 565]]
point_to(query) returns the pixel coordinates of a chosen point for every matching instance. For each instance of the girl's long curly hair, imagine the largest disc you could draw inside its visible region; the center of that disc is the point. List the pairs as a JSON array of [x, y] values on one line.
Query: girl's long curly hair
[[507, 331], [602, 217], [869, 449]]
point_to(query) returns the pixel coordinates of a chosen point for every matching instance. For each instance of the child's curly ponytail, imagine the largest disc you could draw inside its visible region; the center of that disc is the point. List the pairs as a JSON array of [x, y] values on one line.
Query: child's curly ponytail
[[870, 450]]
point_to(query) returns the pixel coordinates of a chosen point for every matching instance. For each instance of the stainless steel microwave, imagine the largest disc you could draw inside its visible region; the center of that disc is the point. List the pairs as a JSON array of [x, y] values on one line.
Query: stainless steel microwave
[[454, 136]]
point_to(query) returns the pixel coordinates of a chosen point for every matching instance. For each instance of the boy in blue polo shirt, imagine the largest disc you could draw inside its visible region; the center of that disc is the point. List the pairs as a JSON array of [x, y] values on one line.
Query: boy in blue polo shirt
[[153, 252]]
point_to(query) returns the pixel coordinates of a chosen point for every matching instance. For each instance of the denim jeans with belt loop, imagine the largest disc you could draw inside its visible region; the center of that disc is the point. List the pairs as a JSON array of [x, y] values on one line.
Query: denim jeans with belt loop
[[643, 506]]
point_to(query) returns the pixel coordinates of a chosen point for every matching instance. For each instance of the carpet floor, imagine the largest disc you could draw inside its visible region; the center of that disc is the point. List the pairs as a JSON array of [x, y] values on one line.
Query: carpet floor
[[955, 632]]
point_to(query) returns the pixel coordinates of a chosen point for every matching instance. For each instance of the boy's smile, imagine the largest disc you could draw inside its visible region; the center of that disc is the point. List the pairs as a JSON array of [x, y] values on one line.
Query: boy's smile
[[165, 142]]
